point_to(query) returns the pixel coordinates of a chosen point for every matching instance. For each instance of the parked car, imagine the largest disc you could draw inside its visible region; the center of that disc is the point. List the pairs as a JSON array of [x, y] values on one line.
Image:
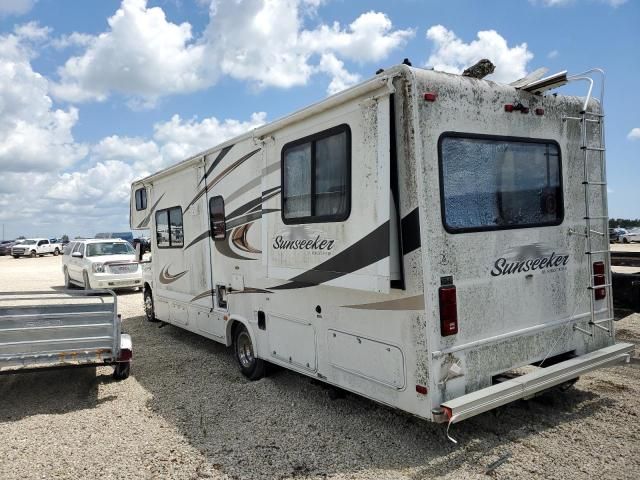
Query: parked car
[[35, 247], [632, 235], [615, 234], [101, 263], [5, 246]]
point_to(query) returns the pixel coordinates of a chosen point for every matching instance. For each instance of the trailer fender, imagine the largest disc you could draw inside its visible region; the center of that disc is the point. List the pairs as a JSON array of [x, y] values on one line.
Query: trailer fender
[[235, 320]]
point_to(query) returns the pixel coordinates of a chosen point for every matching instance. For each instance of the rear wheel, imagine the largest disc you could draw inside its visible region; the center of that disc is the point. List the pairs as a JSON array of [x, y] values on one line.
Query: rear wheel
[[67, 279], [625, 240], [250, 366], [122, 371], [149, 311], [56, 252], [85, 281], [33, 254]]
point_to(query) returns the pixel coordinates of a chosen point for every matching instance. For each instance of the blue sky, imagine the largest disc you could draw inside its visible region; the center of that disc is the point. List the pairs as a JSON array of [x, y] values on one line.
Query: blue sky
[[94, 94]]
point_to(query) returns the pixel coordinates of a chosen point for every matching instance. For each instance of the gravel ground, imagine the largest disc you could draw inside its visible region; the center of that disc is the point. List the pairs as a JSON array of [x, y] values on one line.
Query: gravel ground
[[186, 412]]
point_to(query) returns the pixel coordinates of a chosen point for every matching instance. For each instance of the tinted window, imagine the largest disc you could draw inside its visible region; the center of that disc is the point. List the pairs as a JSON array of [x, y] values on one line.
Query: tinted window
[[141, 199], [497, 183], [217, 218], [169, 228], [316, 181], [109, 248], [162, 228], [175, 227]]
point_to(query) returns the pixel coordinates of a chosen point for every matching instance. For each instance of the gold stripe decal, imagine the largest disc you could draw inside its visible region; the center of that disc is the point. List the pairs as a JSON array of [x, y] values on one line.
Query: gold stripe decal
[[407, 303]]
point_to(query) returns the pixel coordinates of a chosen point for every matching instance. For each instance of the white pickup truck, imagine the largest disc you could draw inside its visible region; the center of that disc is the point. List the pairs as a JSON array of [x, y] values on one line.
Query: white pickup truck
[[33, 247]]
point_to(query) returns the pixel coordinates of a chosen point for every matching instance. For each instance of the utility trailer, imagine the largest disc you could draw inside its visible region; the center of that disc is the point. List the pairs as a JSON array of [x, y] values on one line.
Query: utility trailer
[[50, 329], [413, 239]]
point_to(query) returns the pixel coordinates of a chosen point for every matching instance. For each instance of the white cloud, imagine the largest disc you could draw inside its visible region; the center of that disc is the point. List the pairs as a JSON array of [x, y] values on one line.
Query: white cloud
[[15, 7], [452, 55], [144, 55], [341, 78], [553, 54], [33, 135], [634, 134], [179, 139]]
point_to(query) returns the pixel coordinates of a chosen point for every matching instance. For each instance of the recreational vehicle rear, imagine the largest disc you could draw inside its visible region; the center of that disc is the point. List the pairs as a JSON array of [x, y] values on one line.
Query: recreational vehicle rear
[[413, 239]]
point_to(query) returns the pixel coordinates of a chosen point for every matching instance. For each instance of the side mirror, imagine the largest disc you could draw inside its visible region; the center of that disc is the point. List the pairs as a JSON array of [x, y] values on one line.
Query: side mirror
[[139, 251], [76, 254]]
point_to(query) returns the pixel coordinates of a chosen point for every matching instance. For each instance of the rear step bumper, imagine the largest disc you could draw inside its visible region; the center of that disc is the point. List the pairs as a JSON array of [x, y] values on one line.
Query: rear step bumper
[[488, 398]]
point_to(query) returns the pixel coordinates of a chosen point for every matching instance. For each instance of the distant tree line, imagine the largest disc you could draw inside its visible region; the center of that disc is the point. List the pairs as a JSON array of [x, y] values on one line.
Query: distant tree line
[[624, 223]]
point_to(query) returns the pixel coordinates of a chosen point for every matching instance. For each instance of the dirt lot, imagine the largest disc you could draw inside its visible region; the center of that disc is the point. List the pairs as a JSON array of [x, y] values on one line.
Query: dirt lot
[[186, 412]]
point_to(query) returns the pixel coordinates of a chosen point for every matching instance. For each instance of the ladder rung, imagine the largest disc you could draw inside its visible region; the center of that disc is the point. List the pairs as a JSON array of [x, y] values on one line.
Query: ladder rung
[[600, 327], [589, 182], [596, 252], [596, 287], [595, 232], [593, 114], [596, 217], [580, 118], [603, 320], [593, 149]]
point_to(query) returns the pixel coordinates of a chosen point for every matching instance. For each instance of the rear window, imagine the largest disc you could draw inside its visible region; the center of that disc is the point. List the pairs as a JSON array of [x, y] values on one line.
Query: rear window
[[495, 183]]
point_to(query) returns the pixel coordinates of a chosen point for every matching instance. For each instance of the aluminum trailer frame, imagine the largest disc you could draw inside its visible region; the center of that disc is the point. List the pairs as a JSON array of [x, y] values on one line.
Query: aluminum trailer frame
[[83, 330]]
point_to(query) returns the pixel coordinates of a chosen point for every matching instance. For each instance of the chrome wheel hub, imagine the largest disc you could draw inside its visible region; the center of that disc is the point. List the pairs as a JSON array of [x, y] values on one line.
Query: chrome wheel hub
[[245, 350]]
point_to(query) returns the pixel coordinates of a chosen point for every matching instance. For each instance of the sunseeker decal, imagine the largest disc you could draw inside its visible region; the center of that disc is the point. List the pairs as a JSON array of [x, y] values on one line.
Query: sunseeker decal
[[166, 278], [309, 239], [530, 258]]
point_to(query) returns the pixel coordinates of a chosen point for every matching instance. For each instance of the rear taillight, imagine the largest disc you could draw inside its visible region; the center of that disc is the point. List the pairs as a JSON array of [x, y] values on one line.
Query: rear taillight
[[599, 278], [448, 310], [125, 355]]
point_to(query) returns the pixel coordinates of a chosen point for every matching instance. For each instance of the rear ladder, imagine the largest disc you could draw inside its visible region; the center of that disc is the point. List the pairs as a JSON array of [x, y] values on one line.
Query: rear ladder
[[596, 219]]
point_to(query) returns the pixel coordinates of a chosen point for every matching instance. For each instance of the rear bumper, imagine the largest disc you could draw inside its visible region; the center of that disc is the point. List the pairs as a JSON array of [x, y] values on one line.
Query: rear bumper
[[488, 398]]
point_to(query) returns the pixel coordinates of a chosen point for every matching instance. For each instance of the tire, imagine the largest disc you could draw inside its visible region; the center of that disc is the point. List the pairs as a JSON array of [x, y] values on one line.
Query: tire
[[122, 371], [56, 252], [67, 280], [15, 256], [250, 366], [149, 310], [33, 254], [624, 240], [85, 281]]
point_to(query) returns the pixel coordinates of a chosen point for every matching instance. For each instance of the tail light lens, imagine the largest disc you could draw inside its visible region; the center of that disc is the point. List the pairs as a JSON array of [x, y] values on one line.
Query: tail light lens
[[599, 278], [125, 355], [448, 310]]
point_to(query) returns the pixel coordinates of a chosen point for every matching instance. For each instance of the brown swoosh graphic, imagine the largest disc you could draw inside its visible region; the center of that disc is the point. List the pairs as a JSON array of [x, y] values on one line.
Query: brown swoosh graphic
[[145, 220], [166, 278], [239, 239], [407, 303]]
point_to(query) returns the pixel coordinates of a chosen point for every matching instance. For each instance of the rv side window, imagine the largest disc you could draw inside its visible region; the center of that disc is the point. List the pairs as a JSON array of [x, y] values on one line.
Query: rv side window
[[316, 177], [495, 183], [217, 219], [141, 199], [169, 230]]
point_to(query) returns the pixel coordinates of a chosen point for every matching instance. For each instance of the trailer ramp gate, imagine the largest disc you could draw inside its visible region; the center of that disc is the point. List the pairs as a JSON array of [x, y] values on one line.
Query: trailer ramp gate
[[53, 329], [527, 385]]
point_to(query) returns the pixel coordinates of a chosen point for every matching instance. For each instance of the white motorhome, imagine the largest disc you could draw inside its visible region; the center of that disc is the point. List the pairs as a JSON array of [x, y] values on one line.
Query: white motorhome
[[413, 239]]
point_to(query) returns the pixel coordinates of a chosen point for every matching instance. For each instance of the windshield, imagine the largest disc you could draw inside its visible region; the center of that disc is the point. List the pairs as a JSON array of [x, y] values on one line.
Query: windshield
[[29, 242], [109, 248]]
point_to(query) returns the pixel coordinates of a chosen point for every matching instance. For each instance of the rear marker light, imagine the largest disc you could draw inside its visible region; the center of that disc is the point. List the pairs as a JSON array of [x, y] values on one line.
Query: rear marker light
[[448, 310], [508, 107], [125, 355], [539, 111], [421, 389], [430, 97], [599, 279]]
